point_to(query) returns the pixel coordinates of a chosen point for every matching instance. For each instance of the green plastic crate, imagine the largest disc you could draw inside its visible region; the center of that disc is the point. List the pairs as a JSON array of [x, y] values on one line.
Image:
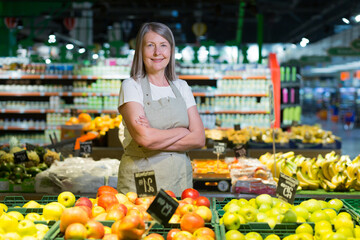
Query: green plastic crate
[[25, 211], [353, 204], [12, 201]]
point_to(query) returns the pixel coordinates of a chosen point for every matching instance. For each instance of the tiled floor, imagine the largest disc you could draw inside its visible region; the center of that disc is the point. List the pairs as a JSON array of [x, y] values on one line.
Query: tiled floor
[[350, 137]]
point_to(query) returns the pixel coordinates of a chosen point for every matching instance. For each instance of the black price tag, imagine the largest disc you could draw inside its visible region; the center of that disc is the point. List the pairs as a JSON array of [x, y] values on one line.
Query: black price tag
[[219, 147], [85, 147], [145, 183], [73, 112], [286, 188], [30, 147], [218, 122], [240, 151], [163, 207], [20, 157], [237, 127]]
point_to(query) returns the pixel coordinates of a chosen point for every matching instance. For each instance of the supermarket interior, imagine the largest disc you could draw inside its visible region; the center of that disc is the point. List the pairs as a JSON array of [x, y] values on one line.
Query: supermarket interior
[[277, 88]]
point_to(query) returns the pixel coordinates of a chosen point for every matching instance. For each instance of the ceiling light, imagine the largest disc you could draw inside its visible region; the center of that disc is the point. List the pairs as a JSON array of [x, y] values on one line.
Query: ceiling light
[[345, 20], [95, 56], [82, 50], [357, 18], [48, 61], [304, 42], [69, 46]]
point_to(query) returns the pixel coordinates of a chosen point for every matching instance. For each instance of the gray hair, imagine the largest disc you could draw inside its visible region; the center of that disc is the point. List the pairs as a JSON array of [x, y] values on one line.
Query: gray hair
[[138, 67]]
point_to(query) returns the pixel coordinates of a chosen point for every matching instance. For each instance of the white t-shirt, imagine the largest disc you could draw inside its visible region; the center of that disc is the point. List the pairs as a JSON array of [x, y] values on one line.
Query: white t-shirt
[[131, 91]]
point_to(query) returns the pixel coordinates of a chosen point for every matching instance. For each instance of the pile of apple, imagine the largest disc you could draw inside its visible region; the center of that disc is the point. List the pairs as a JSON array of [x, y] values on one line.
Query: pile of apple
[[13, 225], [265, 208], [128, 211]]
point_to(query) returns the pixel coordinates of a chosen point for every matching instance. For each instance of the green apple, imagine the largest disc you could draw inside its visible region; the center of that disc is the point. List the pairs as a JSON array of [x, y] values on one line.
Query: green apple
[[331, 213], [323, 204], [12, 236], [304, 228], [242, 219], [264, 199], [234, 235], [319, 215], [26, 228], [229, 204], [253, 236], [289, 216], [311, 205], [337, 236], [272, 237], [33, 216], [336, 204], [304, 236], [264, 207], [272, 222], [41, 227], [242, 201], [322, 225], [249, 213], [346, 231], [253, 203], [345, 215], [343, 222], [234, 208], [301, 211], [67, 199], [19, 216], [323, 233], [8, 223], [261, 217], [231, 221]]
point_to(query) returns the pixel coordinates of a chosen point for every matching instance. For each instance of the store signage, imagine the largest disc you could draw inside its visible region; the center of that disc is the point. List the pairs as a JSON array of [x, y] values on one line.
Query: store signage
[[355, 44], [286, 188], [85, 147], [240, 151], [163, 207], [30, 147], [20, 157], [145, 183], [342, 51], [315, 59], [219, 147]]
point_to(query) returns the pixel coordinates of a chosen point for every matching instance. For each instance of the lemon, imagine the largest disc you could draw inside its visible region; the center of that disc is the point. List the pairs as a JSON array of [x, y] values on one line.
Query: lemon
[[304, 228]]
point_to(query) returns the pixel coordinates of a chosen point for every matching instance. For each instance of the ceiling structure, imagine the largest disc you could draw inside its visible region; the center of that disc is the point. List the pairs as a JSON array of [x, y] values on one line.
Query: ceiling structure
[[285, 21]]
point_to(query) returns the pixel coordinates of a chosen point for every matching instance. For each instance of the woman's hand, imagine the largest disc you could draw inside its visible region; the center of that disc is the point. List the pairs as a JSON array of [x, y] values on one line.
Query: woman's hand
[[143, 121]]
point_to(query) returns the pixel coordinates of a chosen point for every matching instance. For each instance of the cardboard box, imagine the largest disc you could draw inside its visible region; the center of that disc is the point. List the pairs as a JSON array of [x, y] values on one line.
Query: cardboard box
[[113, 138]]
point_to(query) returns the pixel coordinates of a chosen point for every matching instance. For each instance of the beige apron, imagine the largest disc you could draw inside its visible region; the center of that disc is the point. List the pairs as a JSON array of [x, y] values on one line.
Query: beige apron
[[173, 170]]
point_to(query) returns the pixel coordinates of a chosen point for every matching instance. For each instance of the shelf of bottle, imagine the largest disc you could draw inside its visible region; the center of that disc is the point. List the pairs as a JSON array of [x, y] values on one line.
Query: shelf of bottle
[[41, 111], [47, 76], [61, 94], [17, 128], [202, 94], [206, 77], [233, 112]]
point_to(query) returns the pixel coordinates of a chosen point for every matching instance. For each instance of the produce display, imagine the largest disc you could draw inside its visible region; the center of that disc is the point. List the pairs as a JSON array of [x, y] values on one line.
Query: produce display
[[305, 134], [328, 219], [209, 166], [39, 160], [83, 217], [331, 172], [100, 124]]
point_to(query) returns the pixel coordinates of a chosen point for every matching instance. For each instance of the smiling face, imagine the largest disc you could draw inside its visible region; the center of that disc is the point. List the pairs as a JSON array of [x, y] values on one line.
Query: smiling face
[[156, 52]]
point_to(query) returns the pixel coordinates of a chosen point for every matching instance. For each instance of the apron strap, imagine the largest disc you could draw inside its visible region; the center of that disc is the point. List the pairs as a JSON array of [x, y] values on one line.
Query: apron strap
[[145, 85]]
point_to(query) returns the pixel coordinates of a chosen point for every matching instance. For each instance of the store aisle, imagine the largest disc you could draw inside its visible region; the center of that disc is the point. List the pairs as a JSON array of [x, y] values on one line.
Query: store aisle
[[350, 138]]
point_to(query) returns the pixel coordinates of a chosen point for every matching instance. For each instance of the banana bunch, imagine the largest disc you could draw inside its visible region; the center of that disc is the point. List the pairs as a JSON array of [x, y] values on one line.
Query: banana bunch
[[331, 172]]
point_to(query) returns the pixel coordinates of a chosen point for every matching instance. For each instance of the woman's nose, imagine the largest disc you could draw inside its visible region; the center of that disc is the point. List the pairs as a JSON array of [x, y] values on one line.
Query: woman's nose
[[157, 51]]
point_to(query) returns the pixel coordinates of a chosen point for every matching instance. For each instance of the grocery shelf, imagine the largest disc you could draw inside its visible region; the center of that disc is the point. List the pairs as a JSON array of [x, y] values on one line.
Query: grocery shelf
[[202, 94], [47, 76], [290, 84], [195, 77], [48, 94], [41, 111], [27, 128]]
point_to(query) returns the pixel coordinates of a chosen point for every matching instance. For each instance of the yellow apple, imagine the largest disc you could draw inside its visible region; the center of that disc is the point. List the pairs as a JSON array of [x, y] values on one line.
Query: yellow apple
[[67, 199], [26, 228]]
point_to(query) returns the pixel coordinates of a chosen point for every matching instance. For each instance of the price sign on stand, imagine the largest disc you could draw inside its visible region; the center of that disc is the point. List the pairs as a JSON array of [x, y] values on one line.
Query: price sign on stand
[[240, 151], [286, 188], [237, 127], [163, 207], [85, 148], [73, 112], [30, 147], [219, 148], [145, 183], [20, 157]]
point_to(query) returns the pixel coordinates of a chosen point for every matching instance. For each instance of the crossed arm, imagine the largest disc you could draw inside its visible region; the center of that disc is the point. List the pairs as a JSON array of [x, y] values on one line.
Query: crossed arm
[[175, 139]]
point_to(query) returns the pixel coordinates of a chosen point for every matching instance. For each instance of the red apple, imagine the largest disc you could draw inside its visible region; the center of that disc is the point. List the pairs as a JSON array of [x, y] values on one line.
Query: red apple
[[190, 193], [72, 215], [130, 227], [170, 193], [132, 196], [75, 231], [84, 201], [189, 200], [202, 201], [120, 206], [204, 212], [154, 236], [187, 208], [205, 237], [107, 200], [172, 233], [106, 189], [87, 210], [94, 229], [115, 214], [110, 236], [204, 231], [191, 221]]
